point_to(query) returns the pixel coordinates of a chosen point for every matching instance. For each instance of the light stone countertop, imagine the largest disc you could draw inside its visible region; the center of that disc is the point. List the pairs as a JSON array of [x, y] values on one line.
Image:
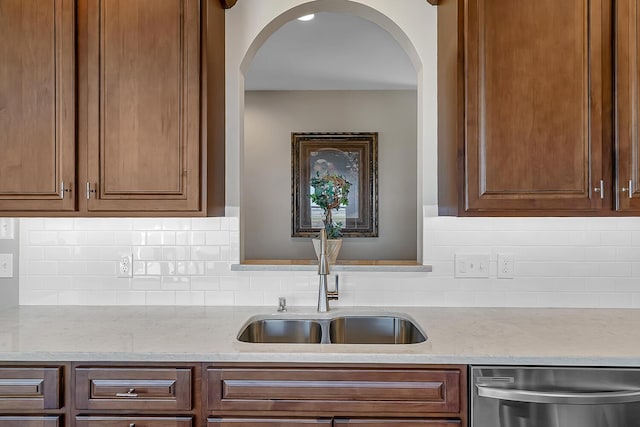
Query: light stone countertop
[[531, 336]]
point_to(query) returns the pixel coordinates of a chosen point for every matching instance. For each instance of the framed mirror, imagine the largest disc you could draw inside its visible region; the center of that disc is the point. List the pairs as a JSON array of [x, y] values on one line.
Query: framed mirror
[[353, 156]]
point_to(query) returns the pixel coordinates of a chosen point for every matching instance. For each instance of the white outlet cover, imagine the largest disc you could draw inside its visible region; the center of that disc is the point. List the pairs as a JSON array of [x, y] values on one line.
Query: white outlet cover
[[125, 266], [506, 266], [7, 225], [6, 265]]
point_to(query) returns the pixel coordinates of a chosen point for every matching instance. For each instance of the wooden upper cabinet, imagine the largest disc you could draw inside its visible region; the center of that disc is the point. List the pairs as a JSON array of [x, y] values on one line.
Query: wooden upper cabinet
[[143, 104], [534, 104], [531, 87], [37, 105], [628, 106]]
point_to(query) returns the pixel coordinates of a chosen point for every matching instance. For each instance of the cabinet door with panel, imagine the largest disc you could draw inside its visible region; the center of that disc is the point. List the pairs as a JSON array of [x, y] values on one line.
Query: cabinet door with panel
[[627, 105], [346, 422], [37, 105], [268, 422], [243, 395], [129, 421], [535, 105], [30, 421], [141, 78]]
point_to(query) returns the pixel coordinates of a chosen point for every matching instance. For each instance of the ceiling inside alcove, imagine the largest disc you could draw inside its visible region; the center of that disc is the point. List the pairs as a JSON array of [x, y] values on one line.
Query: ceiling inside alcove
[[331, 52]]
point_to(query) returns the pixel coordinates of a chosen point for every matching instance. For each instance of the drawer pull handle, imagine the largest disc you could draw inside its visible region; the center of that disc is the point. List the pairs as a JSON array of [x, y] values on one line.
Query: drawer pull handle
[[130, 393], [132, 425]]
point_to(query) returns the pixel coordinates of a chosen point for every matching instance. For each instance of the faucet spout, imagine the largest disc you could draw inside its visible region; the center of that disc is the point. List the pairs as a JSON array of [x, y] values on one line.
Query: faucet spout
[[323, 271]]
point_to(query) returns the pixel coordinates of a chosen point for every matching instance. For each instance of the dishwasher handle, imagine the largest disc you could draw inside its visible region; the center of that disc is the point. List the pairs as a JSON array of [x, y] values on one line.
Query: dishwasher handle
[[562, 397]]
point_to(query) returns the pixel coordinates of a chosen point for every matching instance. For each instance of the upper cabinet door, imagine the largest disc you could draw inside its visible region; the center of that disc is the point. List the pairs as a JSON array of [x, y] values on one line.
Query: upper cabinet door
[[143, 104], [628, 106], [37, 105], [534, 105]]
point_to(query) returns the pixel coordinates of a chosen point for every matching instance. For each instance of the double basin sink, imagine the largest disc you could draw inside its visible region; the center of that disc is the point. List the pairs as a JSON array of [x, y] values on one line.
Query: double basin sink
[[387, 328]]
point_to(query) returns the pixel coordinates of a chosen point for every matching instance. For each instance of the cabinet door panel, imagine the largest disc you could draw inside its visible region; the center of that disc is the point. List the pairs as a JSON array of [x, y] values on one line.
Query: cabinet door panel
[[534, 104], [143, 104], [37, 106], [30, 388], [163, 389], [327, 390], [628, 105], [26, 421], [266, 422], [345, 422], [91, 421]]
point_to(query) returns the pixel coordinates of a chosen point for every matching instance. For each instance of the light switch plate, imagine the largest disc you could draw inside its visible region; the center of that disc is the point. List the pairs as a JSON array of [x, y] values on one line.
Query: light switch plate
[[6, 265], [472, 265], [7, 225]]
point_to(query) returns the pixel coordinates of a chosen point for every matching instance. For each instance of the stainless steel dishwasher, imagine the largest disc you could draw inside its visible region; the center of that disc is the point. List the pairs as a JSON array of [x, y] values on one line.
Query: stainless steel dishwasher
[[554, 397]]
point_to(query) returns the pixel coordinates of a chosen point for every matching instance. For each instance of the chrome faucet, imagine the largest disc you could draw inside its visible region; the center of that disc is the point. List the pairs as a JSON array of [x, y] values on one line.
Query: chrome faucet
[[324, 295]]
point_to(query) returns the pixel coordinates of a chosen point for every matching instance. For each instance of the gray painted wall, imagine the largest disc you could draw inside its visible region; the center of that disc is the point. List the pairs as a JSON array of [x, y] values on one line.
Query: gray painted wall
[[9, 286], [271, 116]]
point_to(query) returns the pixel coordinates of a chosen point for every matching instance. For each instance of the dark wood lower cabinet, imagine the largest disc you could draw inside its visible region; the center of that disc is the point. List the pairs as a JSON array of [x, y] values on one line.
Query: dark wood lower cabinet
[[47, 421], [232, 395], [93, 421]]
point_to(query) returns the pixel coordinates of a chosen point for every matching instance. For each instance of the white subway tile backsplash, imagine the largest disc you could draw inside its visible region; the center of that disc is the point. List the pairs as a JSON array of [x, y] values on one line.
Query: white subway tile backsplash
[[176, 283], [190, 298], [205, 283], [146, 283], [559, 262], [219, 298], [161, 297], [217, 237], [131, 297]]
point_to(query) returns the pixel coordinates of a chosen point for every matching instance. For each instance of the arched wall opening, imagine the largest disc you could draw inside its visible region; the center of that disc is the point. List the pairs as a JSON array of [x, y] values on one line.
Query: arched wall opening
[[270, 26]]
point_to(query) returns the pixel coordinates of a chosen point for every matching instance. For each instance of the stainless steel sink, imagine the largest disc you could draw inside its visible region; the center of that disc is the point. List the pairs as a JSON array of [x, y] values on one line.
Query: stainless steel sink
[[295, 331], [374, 330], [387, 328]]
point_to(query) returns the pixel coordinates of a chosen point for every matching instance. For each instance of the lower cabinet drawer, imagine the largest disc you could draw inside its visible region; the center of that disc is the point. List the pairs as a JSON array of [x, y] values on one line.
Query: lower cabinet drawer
[[339, 391], [395, 423], [30, 388], [91, 421], [48, 421], [157, 389], [267, 422]]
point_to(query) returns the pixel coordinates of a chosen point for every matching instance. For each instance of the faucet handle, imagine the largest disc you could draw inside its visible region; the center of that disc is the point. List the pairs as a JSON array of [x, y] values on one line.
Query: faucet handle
[[282, 304], [334, 295]]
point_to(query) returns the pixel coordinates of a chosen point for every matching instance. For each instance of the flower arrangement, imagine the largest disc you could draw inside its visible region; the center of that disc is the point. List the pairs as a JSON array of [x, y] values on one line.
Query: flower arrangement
[[330, 191]]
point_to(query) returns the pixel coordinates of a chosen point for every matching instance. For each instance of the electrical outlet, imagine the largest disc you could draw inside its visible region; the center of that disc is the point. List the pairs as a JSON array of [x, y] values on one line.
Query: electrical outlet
[[6, 265], [472, 265], [6, 228], [506, 266], [125, 266]]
